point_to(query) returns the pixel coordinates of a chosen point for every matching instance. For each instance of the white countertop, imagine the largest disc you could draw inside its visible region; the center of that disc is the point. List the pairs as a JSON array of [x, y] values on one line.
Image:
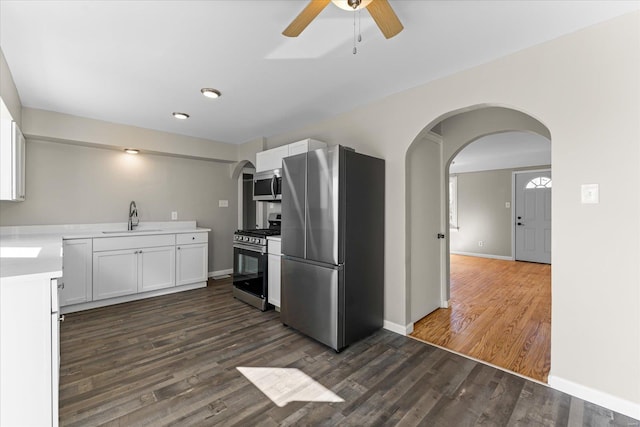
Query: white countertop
[[26, 250]]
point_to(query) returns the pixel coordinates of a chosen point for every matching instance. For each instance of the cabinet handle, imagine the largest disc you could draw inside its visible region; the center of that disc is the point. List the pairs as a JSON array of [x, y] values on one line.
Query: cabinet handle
[[61, 318], [61, 285], [178, 247], [140, 251]]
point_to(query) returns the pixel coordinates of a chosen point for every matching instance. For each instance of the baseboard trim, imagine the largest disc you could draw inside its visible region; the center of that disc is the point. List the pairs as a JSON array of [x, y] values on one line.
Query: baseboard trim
[[221, 272], [606, 400], [397, 328], [502, 257]]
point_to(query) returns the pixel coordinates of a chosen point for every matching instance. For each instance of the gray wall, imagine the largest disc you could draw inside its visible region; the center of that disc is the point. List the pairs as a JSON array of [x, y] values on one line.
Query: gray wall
[[482, 215], [69, 184]]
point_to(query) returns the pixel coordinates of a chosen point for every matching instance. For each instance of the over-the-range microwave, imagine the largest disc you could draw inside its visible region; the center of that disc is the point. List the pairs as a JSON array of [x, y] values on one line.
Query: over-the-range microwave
[[267, 185]]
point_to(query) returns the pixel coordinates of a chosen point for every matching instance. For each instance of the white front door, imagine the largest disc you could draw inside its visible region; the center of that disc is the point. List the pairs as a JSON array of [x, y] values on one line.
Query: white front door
[[427, 223], [533, 216]]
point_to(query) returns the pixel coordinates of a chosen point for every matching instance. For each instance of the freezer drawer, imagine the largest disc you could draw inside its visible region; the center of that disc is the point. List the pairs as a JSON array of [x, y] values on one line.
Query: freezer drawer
[[311, 301]]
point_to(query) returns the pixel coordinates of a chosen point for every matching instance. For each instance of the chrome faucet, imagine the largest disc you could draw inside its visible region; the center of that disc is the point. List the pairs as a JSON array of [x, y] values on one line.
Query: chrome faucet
[[133, 212]]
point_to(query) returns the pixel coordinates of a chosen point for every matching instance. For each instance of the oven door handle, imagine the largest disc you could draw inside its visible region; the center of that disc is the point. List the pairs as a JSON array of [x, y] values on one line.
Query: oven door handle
[[250, 248]]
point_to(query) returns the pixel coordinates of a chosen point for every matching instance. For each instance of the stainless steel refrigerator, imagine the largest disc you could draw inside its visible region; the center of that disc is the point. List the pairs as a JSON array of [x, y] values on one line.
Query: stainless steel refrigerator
[[333, 245]]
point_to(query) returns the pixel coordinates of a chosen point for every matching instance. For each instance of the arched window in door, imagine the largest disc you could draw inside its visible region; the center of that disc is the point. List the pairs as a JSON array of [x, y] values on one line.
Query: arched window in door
[[539, 182]]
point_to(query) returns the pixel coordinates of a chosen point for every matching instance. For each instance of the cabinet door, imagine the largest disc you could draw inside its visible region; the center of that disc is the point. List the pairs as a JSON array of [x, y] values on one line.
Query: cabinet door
[[19, 163], [156, 268], [192, 263], [304, 146], [273, 280], [271, 159], [115, 273], [76, 271], [299, 147]]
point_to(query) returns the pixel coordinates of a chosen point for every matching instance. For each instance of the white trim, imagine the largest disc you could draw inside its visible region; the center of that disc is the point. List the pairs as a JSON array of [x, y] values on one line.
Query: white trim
[[505, 258], [220, 272], [398, 329], [617, 404], [445, 304]]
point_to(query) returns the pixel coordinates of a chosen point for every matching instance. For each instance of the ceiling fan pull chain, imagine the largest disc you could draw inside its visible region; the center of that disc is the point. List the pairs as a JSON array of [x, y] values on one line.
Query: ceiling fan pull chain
[[359, 20], [355, 49]]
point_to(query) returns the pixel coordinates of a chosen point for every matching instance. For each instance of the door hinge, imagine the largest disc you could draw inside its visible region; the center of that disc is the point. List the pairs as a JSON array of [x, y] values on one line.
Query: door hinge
[[441, 236]]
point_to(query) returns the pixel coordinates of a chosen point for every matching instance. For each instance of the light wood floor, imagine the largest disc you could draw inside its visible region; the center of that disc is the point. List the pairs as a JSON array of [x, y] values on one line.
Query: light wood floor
[[172, 360], [500, 313]]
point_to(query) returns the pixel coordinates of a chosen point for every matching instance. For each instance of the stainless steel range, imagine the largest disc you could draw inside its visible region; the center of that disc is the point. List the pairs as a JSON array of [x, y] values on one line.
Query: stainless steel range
[[250, 263]]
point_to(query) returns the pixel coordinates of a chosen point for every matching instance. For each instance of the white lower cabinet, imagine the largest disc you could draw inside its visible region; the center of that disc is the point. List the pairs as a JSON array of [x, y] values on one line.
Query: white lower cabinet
[[115, 273], [273, 271], [191, 263], [156, 268], [76, 271], [29, 353], [129, 271], [103, 268]]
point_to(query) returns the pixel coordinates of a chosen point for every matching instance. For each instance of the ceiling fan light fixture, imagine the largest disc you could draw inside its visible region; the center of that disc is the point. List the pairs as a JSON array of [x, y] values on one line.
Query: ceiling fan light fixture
[[180, 116], [349, 4], [210, 92]]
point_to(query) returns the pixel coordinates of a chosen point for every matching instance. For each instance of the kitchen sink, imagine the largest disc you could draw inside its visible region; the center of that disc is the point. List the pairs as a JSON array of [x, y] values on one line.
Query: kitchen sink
[[129, 231]]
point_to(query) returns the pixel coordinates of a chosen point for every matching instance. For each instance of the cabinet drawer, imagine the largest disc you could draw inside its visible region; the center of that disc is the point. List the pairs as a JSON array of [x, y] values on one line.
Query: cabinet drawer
[[132, 242], [186, 238]]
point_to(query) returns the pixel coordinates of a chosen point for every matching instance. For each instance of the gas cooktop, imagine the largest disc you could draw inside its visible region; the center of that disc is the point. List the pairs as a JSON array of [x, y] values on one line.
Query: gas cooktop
[[260, 232]]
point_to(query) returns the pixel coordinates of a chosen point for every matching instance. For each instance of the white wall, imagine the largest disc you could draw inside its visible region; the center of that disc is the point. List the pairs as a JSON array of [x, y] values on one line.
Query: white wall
[[69, 184], [584, 88]]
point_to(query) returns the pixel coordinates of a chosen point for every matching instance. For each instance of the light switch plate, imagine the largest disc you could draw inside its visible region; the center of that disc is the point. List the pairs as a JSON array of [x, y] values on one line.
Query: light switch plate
[[174, 216], [507, 205], [223, 203], [590, 194]]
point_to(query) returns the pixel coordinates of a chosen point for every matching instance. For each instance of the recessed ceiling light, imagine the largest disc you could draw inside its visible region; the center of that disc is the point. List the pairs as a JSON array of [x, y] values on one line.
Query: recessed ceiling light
[[210, 93], [131, 151], [181, 116]]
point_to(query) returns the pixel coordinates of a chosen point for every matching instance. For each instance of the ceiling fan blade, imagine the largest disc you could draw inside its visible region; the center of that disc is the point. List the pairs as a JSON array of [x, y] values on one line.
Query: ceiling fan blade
[[385, 18], [305, 17]]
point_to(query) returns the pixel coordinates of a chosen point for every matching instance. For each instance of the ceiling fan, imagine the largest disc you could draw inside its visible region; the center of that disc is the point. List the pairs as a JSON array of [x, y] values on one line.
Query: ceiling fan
[[380, 11]]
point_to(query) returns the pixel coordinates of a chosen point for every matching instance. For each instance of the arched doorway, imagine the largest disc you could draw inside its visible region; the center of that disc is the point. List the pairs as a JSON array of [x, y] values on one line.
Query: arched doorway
[[452, 132]]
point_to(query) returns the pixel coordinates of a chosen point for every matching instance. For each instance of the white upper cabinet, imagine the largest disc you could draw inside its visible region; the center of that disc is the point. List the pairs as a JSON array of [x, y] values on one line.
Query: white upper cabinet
[[12, 158], [272, 159], [304, 146]]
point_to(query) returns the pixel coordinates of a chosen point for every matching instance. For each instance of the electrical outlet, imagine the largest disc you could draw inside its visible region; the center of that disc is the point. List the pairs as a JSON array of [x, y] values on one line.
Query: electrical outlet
[[507, 205], [223, 203], [174, 216], [481, 243]]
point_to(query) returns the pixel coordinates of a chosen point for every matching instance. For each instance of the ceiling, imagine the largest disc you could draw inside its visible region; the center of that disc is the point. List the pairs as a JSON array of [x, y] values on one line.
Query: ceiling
[[136, 62], [503, 151]]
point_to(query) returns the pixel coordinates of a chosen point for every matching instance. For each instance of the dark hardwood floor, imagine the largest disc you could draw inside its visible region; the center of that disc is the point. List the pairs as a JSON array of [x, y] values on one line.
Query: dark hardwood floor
[[172, 360]]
